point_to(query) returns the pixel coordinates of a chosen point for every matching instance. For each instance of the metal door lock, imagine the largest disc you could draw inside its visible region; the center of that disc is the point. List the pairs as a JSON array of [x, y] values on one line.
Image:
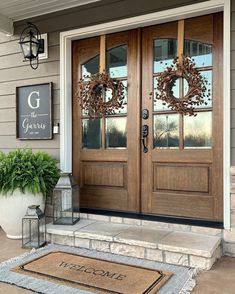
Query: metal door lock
[[145, 114]]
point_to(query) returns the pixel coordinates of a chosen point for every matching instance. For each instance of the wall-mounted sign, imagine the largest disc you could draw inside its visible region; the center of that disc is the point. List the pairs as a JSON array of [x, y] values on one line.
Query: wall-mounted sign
[[34, 112]]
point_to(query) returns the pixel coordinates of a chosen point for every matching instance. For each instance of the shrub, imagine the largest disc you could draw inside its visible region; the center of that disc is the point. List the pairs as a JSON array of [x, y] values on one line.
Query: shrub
[[22, 169]]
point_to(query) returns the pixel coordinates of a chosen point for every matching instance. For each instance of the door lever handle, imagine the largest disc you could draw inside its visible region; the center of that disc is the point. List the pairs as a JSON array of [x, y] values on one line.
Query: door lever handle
[[145, 148], [145, 132]]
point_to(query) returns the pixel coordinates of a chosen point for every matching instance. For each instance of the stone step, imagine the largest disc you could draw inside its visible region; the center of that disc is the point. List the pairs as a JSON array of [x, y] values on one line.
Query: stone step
[[145, 223], [163, 245]]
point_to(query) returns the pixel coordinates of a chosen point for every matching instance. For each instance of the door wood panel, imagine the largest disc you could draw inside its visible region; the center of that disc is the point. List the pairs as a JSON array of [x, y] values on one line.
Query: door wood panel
[[183, 205], [111, 174], [178, 177], [104, 198]]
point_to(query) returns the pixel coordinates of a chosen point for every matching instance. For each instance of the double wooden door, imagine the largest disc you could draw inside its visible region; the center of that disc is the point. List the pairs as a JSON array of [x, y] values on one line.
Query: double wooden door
[[180, 175]]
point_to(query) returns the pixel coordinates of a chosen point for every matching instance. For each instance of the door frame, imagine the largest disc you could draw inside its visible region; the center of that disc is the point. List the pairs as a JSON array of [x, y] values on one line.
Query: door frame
[[155, 18]]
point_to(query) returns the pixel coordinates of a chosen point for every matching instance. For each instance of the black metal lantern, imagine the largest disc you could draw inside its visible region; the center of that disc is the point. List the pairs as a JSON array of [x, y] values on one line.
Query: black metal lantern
[[65, 194], [31, 44], [33, 228]]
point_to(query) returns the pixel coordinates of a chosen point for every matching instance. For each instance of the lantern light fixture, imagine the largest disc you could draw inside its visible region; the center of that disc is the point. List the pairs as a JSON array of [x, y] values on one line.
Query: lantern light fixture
[[31, 44], [33, 228], [65, 198]]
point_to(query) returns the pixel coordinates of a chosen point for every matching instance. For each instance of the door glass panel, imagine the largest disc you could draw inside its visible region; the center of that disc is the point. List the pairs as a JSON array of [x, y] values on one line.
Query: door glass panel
[[166, 131], [185, 87], [122, 109], [116, 132], [198, 130], [208, 94], [175, 88], [208, 99], [117, 61], [200, 52], [91, 67], [165, 50], [91, 133], [158, 105]]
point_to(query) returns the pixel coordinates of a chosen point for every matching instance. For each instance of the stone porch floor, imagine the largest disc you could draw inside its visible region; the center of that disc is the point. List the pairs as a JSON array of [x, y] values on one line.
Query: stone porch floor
[[163, 245], [219, 280]]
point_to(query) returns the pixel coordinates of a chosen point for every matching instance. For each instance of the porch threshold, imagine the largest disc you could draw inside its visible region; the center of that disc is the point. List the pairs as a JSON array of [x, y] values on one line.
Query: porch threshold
[[153, 217], [146, 242]]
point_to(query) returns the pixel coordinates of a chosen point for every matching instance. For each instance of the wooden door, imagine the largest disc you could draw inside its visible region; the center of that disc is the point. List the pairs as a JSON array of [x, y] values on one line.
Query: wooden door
[[182, 170], [181, 175], [106, 150]]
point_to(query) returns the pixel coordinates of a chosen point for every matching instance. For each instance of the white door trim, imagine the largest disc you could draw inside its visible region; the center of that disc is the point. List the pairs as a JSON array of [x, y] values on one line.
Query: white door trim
[[130, 23]]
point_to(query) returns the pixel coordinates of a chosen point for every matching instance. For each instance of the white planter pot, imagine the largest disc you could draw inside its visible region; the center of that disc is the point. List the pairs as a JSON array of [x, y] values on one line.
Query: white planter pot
[[13, 208]]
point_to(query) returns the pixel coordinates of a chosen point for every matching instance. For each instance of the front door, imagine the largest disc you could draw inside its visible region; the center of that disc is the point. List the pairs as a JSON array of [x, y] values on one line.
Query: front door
[[177, 169], [106, 152]]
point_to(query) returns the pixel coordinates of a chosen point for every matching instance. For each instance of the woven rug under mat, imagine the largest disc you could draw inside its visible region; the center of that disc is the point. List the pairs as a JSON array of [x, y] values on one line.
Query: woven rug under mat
[[37, 273]]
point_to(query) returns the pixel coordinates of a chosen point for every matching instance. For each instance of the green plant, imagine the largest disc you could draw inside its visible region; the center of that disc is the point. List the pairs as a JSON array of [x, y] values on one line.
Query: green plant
[[22, 169]]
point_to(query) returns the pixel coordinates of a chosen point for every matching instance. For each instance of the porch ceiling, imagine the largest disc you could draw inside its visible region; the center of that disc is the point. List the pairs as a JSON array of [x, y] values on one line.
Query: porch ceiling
[[14, 10]]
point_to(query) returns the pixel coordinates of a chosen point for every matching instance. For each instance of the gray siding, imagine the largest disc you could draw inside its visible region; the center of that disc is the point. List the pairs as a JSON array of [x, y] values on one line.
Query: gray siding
[[13, 72]]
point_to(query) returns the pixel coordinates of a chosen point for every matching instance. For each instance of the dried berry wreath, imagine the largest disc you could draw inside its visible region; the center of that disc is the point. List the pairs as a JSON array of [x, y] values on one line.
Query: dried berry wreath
[[197, 86], [92, 94]]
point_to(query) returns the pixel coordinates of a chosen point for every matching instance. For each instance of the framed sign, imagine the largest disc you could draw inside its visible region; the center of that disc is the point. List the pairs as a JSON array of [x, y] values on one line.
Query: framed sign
[[34, 112]]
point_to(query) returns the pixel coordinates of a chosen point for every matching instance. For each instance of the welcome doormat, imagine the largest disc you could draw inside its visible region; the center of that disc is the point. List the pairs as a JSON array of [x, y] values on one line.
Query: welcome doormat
[[181, 282], [96, 275]]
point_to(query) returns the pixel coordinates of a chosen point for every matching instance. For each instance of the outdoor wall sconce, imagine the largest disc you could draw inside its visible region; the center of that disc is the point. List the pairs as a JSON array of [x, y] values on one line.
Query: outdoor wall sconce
[[31, 44], [65, 194]]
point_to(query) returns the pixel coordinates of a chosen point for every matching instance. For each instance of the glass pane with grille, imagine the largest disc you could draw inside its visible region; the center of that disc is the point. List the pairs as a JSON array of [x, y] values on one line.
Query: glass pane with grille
[[165, 50], [91, 67], [200, 52], [91, 133], [117, 62], [123, 108], [198, 130], [158, 104], [116, 132], [166, 131], [208, 98]]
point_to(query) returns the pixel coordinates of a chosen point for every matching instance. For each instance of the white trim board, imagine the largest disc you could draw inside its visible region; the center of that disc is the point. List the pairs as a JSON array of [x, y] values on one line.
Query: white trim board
[[6, 25], [183, 12]]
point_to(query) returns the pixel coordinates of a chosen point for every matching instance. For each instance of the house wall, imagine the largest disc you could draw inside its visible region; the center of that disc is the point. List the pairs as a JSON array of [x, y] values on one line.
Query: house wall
[[233, 82], [229, 235], [14, 72]]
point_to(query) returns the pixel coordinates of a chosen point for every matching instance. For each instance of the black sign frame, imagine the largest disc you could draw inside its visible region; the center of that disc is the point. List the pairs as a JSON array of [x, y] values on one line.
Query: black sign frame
[[49, 101]]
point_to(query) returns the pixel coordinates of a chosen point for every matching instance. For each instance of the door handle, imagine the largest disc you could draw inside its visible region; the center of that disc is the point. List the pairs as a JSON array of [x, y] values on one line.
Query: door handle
[[145, 132]]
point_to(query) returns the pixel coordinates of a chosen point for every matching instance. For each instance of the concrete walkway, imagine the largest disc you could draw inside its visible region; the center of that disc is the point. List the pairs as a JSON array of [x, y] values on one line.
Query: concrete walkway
[[219, 280]]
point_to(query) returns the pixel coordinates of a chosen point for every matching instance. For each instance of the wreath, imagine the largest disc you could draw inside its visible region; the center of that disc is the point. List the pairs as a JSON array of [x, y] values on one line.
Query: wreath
[[197, 86], [92, 94]]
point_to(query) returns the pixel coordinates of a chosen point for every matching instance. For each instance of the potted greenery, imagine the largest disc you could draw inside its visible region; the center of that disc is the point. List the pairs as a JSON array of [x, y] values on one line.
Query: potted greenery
[[26, 178]]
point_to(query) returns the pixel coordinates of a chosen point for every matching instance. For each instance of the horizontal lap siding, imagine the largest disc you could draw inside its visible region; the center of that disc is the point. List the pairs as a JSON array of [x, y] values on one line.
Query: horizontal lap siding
[[14, 72]]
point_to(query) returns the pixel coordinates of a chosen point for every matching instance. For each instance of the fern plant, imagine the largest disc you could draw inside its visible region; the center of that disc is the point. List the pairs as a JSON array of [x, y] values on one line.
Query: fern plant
[[24, 170]]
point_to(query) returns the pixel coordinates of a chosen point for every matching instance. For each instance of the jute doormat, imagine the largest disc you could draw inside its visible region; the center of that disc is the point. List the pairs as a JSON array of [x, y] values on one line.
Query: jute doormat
[[92, 274]]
